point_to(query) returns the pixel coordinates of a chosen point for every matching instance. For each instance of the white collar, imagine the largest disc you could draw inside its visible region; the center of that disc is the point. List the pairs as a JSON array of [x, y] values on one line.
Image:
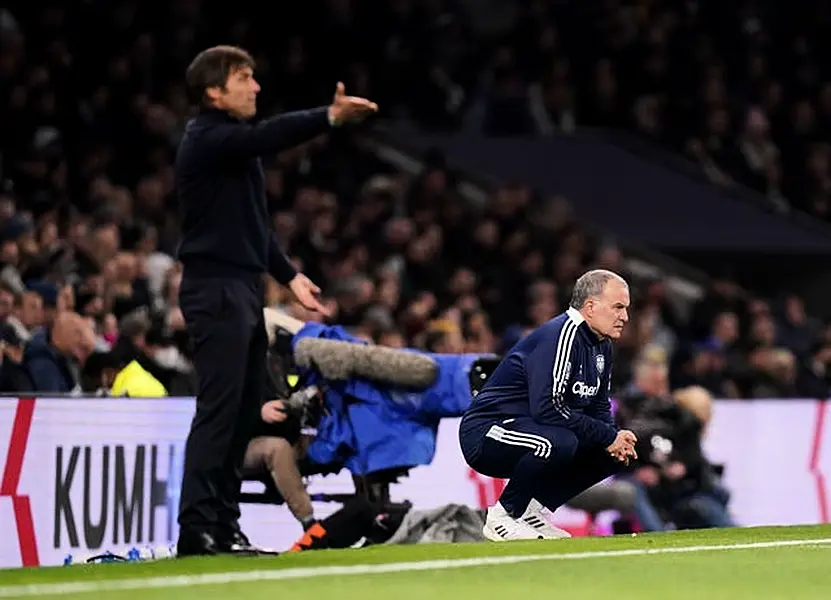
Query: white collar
[[575, 315]]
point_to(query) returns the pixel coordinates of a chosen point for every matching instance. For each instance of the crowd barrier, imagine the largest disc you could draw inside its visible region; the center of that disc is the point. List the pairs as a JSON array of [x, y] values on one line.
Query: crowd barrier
[[82, 476]]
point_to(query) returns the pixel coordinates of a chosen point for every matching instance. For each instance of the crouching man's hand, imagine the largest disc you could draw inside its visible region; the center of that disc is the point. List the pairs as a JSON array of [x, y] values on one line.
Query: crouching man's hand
[[623, 448]]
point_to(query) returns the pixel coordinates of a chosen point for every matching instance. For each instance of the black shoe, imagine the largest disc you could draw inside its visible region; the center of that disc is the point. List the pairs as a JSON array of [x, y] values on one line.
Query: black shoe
[[237, 543], [196, 542]]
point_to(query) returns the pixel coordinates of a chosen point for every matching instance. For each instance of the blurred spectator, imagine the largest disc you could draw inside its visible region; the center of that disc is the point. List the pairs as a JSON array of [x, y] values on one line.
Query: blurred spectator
[[144, 343], [87, 211], [814, 377], [132, 380], [674, 480], [444, 337], [54, 355], [28, 314], [13, 375]]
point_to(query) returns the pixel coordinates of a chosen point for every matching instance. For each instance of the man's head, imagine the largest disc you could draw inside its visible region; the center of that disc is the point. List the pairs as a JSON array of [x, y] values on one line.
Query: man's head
[[8, 300], [30, 310], [73, 335], [698, 401], [223, 77], [602, 297], [444, 337], [134, 328], [651, 374], [99, 371]]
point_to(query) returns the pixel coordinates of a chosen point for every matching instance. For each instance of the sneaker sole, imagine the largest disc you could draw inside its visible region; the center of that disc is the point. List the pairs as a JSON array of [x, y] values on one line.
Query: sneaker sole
[[551, 535], [491, 535]]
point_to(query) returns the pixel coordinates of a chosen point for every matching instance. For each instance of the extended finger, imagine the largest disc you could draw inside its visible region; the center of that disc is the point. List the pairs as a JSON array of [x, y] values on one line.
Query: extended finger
[[355, 101]]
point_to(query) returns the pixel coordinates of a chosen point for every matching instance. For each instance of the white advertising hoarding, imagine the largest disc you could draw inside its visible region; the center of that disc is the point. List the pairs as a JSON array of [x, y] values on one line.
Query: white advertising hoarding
[[83, 476]]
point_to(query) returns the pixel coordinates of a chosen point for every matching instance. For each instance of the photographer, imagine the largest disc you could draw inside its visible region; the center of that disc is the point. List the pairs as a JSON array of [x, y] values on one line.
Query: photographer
[[279, 444], [289, 417], [674, 480]]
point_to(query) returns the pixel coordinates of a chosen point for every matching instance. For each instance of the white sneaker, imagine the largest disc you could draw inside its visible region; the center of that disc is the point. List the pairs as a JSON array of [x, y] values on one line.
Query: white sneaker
[[534, 518], [502, 527]]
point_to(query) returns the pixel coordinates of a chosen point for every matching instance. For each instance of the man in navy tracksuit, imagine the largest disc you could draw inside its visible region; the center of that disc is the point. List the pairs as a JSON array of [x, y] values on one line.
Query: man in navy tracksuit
[[543, 419]]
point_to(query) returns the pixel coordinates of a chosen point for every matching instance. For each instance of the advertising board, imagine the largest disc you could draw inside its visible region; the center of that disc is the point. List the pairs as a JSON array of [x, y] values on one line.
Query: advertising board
[[83, 476]]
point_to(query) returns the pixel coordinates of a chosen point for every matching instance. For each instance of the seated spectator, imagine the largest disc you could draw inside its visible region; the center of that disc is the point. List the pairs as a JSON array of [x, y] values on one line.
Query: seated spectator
[[774, 373], [54, 356], [444, 337], [13, 375], [814, 378], [697, 401], [134, 381], [141, 340], [52, 301], [27, 314], [98, 373], [675, 482], [704, 365], [85, 202], [117, 374]]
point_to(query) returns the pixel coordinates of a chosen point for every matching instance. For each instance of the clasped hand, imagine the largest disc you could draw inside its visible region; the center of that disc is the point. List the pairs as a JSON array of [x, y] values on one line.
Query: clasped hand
[[623, 448]]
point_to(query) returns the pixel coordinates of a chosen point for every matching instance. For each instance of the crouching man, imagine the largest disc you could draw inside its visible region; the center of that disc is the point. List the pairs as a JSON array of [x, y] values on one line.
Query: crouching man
[[276, 448]]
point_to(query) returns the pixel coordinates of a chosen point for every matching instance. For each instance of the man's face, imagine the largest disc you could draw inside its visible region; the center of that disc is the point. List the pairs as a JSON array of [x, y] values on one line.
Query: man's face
[[609, 312], [653, 377], [9, 253], [452, 343], [240, 94], [74, 335], [6, 304], [31, 314]]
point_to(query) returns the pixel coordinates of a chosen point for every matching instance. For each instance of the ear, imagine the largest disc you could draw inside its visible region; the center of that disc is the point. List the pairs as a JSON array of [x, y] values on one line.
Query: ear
[[588, 305], [214, 93]]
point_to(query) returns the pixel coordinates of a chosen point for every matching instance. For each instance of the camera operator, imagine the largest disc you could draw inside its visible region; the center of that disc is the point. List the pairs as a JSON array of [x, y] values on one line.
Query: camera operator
[[279, 442], [674, 480]]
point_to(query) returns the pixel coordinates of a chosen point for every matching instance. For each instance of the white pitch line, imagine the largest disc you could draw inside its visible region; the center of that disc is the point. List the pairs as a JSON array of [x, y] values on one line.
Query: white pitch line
[[116, 585]]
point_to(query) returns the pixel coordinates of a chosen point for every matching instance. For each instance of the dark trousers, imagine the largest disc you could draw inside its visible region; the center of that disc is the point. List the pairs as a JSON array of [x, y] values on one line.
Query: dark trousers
[[541, 462], [226, 324]]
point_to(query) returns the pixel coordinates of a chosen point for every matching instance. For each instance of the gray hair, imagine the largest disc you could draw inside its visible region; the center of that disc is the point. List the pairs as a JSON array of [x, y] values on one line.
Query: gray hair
[[592, 284]]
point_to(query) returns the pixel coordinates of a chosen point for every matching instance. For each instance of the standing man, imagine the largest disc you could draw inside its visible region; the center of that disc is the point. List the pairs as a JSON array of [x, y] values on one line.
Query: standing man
[[227, 246], [543, 419]]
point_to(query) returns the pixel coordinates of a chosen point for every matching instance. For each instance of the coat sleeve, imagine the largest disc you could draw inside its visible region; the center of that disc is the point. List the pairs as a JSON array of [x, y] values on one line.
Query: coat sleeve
[[269, 136]]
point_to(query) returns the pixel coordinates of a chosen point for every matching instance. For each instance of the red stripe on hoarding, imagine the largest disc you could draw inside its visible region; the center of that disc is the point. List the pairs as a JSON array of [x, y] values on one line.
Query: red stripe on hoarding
[[11, 479], [814, 466]]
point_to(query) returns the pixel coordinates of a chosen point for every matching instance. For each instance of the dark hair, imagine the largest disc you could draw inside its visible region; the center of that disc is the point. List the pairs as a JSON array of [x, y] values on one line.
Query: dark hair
[[211, 68], [9, 289], [433, 339]]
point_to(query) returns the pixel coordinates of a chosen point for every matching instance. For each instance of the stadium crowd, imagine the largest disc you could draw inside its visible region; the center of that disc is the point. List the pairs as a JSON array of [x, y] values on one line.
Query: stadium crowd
[[93, 105], [737, 87]]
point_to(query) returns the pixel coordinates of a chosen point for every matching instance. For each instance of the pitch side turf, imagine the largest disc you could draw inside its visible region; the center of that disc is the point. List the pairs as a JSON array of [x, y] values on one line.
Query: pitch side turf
[[754, 563]]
